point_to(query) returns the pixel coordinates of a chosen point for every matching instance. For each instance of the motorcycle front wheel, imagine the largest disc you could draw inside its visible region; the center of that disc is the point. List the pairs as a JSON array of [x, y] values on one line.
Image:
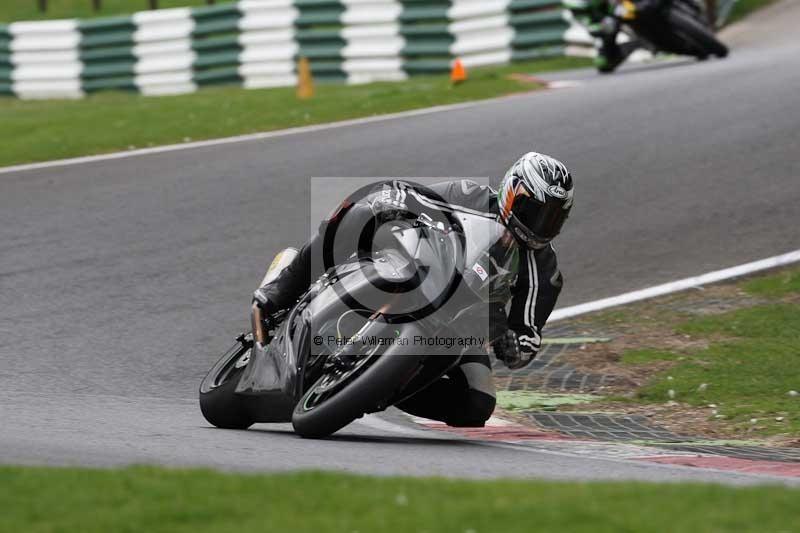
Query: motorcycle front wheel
[[340, 396]]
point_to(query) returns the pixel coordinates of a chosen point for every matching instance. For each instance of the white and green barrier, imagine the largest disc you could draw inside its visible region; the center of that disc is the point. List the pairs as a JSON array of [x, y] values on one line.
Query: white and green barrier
[[256, 43]]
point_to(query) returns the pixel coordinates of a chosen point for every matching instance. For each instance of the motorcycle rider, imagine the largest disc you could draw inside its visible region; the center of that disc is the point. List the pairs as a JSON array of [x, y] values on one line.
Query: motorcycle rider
[[604, 23], [533, 201]]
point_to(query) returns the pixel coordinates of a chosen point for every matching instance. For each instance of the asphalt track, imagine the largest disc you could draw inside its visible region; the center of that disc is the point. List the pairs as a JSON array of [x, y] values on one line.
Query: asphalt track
[[121, 280]]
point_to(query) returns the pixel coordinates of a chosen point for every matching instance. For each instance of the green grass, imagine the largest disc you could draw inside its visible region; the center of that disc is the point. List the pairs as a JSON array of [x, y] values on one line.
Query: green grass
[[781, 284], [644, 356], [751, 364], [16, 10], [43, 130], [39, 500], [742, 8]]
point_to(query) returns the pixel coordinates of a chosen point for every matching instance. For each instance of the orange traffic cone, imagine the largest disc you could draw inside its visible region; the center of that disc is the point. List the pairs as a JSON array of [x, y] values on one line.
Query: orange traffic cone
[[305, 80], [458, 73]]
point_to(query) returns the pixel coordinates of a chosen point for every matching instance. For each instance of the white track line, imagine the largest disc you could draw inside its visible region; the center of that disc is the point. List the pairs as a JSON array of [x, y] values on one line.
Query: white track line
[[676, 286], [249, 137], [563, 84]]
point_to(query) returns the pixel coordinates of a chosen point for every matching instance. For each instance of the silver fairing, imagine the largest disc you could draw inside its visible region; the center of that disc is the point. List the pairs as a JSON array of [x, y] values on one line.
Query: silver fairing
[[430, 259]]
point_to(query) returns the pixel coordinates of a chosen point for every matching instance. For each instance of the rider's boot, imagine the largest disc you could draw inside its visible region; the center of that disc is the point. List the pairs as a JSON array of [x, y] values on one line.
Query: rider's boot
[[609, 56]]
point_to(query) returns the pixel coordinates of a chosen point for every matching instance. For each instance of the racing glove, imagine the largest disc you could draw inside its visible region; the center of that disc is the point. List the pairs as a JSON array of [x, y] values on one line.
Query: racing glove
[[389, 205], [607, 28], [516, 351], [260, 298]]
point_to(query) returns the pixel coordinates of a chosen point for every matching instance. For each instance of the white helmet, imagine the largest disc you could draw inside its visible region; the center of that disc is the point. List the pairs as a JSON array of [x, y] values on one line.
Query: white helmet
[[535, 198]]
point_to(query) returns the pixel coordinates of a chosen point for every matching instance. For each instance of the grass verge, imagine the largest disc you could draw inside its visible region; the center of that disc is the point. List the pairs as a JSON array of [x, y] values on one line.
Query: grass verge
[[744, 363], [44, 130], [159, 500]]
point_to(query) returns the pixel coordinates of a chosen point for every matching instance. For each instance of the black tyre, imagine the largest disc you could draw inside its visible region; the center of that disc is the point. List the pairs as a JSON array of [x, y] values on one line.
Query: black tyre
[[335, 401], [220, 404], [700, 40]]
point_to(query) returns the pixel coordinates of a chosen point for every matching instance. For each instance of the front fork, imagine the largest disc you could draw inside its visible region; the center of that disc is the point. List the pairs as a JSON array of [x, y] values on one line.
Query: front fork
[[260, 333]]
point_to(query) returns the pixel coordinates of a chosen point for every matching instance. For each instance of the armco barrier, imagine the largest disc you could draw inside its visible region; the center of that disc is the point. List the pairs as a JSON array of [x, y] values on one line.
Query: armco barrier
[[256, 43]]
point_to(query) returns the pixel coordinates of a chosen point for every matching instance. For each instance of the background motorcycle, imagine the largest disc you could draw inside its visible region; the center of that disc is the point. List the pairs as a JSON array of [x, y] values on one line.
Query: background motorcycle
[[676, 26], [317, 364]]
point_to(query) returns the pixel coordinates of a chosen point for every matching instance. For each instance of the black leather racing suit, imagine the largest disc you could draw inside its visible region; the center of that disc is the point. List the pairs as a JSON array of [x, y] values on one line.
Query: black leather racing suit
[[466, 396]]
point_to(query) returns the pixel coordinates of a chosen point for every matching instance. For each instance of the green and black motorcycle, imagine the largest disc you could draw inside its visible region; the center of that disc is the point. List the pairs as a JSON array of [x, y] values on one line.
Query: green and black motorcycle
[[673, 26]]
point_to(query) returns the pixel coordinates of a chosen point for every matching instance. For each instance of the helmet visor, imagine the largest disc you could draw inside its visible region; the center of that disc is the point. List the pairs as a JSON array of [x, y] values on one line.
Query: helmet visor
[[540, 221]]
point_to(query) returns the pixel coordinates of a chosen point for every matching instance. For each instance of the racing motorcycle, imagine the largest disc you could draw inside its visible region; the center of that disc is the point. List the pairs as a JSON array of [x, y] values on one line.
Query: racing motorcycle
[[675, 26], [359, 340]]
